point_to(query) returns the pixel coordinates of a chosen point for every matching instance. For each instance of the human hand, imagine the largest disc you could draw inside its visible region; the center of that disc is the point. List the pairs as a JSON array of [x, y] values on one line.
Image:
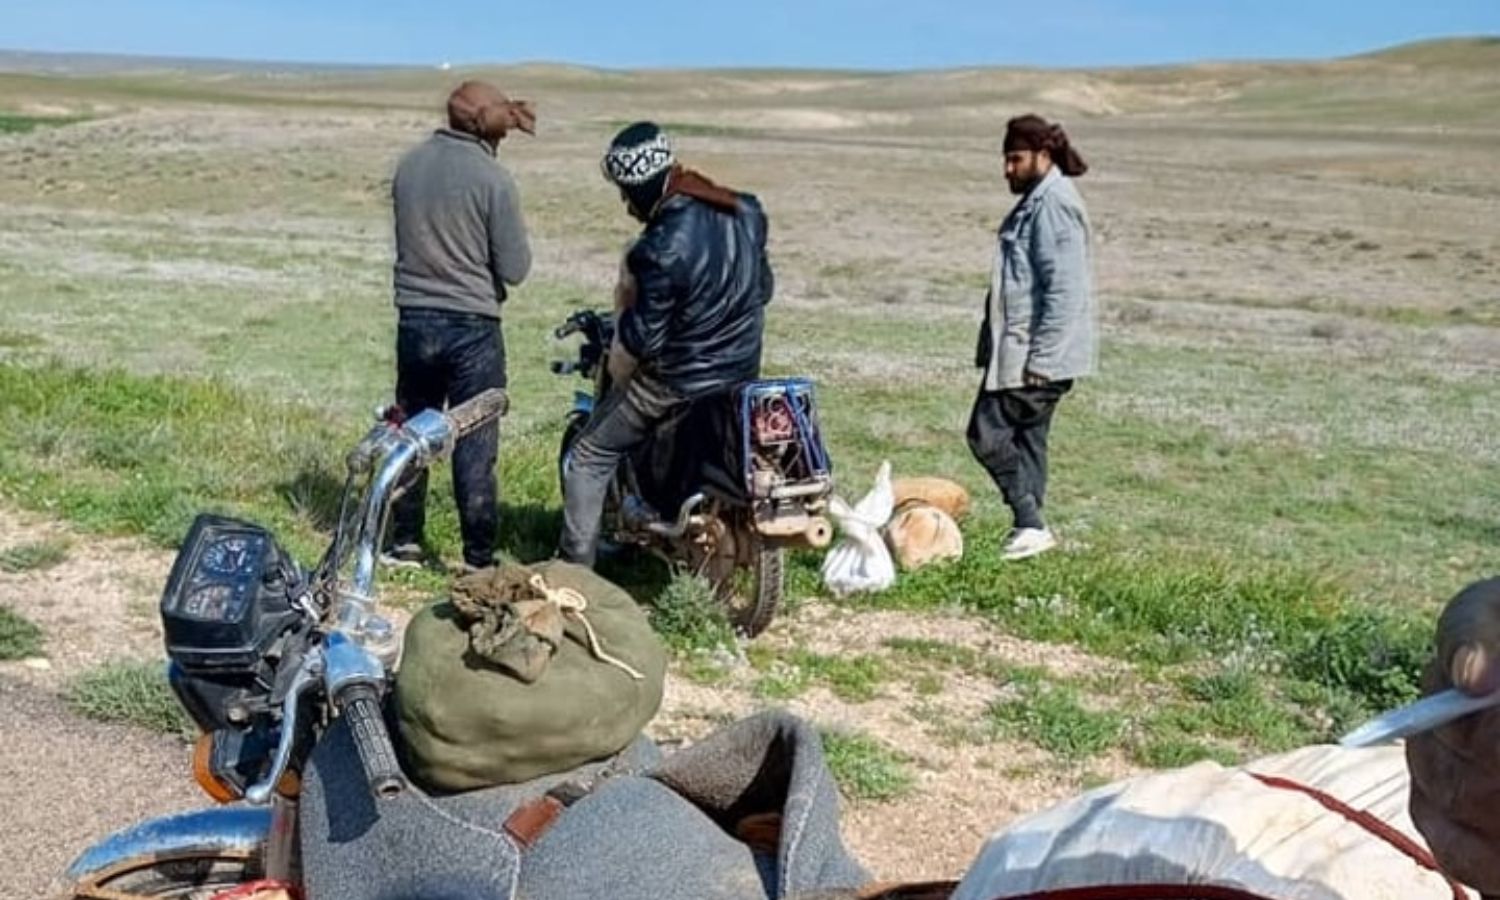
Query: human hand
[[1455, 769], [620, 363]]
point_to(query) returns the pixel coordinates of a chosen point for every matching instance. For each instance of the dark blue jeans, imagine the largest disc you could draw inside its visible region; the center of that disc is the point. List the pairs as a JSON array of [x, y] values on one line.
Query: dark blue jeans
[[443, 359]]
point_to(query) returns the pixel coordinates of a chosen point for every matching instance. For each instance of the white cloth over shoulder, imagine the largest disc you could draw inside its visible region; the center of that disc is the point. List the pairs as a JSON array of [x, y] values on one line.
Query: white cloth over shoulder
[[1284, 828]]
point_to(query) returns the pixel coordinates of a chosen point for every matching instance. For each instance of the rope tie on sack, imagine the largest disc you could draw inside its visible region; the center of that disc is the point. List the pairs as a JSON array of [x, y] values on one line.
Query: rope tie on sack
[[572, 603]]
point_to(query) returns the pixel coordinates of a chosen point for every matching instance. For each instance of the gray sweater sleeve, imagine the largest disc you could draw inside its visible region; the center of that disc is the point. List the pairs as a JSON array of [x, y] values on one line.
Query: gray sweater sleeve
[[510, 249]]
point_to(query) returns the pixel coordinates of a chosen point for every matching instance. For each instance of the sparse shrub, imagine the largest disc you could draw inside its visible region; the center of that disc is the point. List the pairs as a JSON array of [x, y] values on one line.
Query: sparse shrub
[[688, 617], [19, 637], [1376, 656], [1329, 330], [865, 768], [33, 557], [130, 693]]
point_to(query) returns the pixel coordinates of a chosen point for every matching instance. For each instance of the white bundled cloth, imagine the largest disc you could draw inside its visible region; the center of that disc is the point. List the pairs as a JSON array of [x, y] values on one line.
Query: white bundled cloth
[[861, 562], [1321, 823]]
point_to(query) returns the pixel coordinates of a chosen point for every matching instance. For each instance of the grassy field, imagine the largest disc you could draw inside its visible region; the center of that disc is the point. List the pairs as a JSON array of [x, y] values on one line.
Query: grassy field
[[1284, 466]]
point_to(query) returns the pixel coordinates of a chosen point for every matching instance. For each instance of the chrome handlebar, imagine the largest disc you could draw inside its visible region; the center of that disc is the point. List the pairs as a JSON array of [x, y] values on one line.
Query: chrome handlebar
[[360, 648]]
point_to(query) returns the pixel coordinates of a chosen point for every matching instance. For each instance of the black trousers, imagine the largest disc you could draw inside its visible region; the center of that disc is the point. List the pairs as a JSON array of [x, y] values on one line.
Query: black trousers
[[1008, 436], [444, 359]]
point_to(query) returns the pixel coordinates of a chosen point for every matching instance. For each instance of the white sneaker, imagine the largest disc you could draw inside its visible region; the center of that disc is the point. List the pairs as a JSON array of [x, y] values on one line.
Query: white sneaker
[[1025, 543]]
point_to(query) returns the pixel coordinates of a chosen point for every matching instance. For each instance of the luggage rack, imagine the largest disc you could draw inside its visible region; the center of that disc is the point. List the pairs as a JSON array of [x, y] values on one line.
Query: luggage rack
[[776, 414]]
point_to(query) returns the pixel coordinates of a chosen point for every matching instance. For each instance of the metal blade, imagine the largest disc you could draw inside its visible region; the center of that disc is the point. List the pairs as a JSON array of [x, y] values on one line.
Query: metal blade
[[1415, 718]]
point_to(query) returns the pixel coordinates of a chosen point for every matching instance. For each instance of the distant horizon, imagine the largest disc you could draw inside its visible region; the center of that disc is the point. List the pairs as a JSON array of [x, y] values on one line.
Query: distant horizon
[[840, 35], [271, 62]]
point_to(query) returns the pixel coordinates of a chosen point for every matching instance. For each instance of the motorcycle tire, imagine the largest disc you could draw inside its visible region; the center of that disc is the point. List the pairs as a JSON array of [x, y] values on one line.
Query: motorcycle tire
[[751, 597], [198, 876]]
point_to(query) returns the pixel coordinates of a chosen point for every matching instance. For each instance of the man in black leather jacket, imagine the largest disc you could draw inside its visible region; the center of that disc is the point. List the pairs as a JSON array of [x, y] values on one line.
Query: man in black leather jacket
[[702, 281]]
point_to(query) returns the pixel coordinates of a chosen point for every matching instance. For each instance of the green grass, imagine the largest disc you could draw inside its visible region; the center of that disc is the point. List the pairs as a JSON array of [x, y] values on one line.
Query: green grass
[[1053, 717], [853, 679], [782, 682], [36, 556], [1174, 752], [131, 693], [1172, 609], [14, 123], [18, 340], [925, 651], [115, 451], [865, 768], [20, 638]]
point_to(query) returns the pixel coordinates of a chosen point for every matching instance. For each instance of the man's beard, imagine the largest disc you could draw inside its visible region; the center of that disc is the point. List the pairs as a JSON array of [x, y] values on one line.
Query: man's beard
[[1019, 186]]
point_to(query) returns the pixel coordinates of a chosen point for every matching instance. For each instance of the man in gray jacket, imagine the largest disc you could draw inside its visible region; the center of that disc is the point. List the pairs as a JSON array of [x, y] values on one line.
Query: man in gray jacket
[[1039, 331], [460, 244]]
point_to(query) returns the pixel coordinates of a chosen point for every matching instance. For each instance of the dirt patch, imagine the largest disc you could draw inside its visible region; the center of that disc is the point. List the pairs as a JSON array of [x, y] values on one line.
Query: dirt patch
[[967, 785], [98, 604], [829, 629], [65, 783], [820, 119]]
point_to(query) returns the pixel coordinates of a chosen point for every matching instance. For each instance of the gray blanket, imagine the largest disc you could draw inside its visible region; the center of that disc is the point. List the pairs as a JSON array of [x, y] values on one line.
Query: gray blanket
[[750, 813]]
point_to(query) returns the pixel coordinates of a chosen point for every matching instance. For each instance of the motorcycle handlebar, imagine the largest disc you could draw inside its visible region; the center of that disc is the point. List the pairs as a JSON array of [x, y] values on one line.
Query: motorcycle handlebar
[[471, 415], [360, 705]]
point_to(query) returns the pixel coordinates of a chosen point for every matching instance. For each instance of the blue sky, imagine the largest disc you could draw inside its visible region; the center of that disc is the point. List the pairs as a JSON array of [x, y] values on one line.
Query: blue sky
[[876, 34]]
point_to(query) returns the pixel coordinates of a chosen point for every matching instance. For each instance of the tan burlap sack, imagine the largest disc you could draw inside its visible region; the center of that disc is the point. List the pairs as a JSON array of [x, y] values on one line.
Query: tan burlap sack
[[948, 496], [920, 534]]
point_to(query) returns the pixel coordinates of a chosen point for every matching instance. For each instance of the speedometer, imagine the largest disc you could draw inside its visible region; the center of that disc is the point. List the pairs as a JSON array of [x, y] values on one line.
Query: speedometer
[[213, 603], [228, 556]]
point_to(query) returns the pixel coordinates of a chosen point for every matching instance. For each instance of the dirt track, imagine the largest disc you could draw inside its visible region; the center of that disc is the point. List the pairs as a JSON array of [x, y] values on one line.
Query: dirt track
[[98, 778]]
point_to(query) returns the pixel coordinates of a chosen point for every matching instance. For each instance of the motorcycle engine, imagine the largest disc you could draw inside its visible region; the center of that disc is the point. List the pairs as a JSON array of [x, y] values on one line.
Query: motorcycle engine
[[228, 610]]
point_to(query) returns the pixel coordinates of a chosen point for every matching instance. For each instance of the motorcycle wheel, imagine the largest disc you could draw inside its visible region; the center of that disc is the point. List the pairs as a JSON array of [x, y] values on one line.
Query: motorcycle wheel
[[189, 877], [750, 584]]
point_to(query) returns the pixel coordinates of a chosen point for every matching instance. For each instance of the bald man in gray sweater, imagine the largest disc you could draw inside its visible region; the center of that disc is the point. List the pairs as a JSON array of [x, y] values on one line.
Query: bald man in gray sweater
[[461, 244]]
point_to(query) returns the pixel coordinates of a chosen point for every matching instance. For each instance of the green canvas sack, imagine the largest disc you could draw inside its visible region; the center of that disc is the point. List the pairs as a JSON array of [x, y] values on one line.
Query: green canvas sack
[[502, 683]]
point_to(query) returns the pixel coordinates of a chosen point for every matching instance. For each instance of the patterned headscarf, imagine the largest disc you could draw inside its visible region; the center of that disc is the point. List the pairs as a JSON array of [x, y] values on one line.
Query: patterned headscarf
[[638, 154], [641, 162]]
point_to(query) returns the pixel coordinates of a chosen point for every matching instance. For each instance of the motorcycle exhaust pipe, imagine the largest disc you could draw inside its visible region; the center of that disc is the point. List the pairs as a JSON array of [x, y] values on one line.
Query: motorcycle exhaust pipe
[[819, 532], [684, 519]]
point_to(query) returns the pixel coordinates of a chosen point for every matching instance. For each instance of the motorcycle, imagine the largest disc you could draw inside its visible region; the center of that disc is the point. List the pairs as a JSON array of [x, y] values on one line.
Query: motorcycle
[[269, 660], [744, 474]]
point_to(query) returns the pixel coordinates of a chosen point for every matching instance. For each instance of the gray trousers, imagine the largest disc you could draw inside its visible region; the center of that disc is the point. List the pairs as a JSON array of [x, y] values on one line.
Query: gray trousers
[[1008, 436], [619, 425]]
